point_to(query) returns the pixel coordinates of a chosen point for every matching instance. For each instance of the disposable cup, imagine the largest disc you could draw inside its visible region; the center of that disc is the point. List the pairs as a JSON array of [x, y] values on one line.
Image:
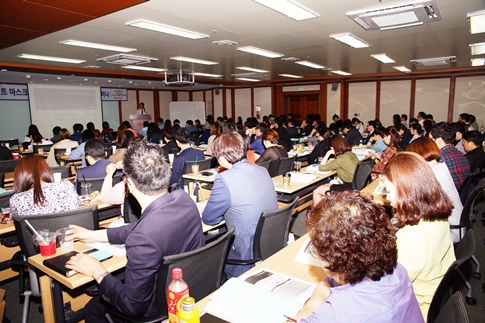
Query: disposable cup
[[65, 245], [195, 169], [40, 151], [57, 177], [170, 158], [47, 244], [86, 189], [297, 166]]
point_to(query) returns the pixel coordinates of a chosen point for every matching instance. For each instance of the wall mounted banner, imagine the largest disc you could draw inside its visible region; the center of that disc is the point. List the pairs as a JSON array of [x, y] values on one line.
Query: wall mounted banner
[[17, 92], [113, 94]]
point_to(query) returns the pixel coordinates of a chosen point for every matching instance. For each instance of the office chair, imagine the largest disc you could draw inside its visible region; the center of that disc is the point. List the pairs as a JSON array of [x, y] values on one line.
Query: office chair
[[465, 250], [285, 166], [266, 164], [271, 234], [203, 165], [2, 180], [97, 183], [8, 166], [45, 148], [362, 173], [202, 270], [86, 217], [11, 142], [131, 209], [454, 310], [64, 170]]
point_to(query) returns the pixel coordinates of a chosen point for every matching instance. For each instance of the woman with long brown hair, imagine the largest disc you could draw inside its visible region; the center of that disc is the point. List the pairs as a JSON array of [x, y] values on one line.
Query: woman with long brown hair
[[36, 192], [422, 208], [345, 163]]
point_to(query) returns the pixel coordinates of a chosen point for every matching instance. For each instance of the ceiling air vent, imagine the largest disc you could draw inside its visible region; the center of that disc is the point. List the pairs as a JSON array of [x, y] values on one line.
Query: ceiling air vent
[[225, 42], [401, 15], [251, 75], [434, 61], [123, 59]]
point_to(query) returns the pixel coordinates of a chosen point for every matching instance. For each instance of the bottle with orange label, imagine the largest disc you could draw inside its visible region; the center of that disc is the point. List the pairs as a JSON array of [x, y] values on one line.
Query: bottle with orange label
[[177, 290]]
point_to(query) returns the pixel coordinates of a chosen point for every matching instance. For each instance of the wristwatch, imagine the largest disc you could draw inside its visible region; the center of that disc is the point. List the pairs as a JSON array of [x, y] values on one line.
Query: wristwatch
[[101, 277]]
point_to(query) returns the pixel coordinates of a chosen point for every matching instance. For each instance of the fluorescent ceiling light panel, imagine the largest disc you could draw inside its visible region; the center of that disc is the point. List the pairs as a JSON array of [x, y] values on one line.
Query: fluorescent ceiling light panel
[[244, 68], [155, 26], [478, 61], [383, 58], [289, 8], [477, 22], [310, 64], [97, 46], [341, 73], [402, 69], [291, 75], [259, 51], [246, 79], [193, 60], [351, 40], [477, 49], [52, 59], [206, 74], [144, 68]]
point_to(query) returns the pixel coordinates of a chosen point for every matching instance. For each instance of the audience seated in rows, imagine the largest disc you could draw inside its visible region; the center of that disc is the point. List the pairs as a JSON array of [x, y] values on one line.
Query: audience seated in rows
[[64, 141], [95, 156], [37, 193]]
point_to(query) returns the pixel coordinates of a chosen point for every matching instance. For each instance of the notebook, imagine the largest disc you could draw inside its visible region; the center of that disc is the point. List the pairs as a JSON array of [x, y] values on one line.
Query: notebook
[[59, 264]]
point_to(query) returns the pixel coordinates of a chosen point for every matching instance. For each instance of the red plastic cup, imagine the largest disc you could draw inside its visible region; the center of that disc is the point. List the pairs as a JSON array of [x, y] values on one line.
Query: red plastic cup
[[48, 250], [47, 244]]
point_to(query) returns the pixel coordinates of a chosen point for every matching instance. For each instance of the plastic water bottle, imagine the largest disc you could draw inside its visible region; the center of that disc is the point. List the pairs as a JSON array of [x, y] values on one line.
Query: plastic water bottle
[[188, 312], [176, 292]]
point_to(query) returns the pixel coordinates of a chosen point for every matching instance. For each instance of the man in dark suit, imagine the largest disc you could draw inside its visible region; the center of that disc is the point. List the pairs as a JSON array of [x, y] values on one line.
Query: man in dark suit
[[352, 135], [95, 157], [405, 134], [292, 130], [170, 224], [371, 126], [187, 153]]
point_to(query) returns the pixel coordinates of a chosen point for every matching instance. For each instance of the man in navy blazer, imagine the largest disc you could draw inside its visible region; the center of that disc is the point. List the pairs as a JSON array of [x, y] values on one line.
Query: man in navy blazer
[[170, 224], [95, 156], [187, 153]]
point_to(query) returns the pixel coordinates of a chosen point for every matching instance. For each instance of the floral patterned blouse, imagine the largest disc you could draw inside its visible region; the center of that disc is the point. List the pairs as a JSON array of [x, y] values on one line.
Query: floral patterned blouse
[[59, 197], [385, 157]]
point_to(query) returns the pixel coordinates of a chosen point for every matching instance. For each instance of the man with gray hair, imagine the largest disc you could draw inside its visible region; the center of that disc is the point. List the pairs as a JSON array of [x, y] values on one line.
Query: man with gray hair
[[170, 224]]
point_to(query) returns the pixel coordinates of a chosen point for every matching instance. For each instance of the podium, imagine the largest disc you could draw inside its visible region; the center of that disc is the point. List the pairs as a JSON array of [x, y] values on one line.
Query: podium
[[138, 119]]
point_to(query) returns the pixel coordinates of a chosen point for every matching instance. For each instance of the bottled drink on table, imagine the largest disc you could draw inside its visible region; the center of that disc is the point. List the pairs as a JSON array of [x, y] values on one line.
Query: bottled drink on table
[[188, 313], [176, 292]]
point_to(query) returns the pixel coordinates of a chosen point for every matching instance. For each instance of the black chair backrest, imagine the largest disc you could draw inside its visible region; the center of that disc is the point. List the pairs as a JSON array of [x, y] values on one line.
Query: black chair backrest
[[108, 151], [468, 207], [464, 251], [2, 180], [131, 209], [195, 137], [86, 217], [45, 148], [285, 166], [97, 183], [469, 184], [5, 199], [202, 270], [454, 311], [174, 151], [64, 170], [8, 166], [203, 164], [112, 135], [272, 231], [362, 173], [10, 142], [266, 164]]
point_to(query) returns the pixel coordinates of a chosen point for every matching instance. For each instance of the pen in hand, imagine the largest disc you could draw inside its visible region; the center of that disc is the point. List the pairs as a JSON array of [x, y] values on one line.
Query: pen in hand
[[288, 318]]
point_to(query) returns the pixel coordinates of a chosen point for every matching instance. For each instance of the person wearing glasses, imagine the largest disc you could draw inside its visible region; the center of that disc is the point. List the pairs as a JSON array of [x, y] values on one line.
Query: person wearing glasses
[[354, 241]]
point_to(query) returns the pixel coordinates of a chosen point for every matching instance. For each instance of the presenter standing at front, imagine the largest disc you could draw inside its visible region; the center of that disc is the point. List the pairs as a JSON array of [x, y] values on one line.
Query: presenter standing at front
[[141, 109]]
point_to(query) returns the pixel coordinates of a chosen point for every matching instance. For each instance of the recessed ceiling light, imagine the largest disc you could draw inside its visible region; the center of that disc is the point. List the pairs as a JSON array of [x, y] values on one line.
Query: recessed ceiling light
[[207, 74], [246, 79], [193, 60], [310, 64], [97, 46], [28, 76], [4, 70], [477, 22], [85, 80], [52, 59], [383, 58], [289, 8], [224, 42], [477, 49], [59, 78], [341, 73], [244, 68], [402, 69], [291, 75], [478, 61], [143, 68], [155, 26], [259, 51], [351, 40]]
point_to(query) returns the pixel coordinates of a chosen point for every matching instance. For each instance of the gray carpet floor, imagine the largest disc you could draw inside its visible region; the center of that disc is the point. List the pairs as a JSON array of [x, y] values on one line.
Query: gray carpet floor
[[475, 312]]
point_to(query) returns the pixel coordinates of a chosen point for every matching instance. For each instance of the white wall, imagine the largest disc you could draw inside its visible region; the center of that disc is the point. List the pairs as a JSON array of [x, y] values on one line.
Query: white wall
[[242, 100], [470, 97], [262, 97], [362, 100], [183, 96], [395, 98], [129, 107], [165, 97], [432, 97]]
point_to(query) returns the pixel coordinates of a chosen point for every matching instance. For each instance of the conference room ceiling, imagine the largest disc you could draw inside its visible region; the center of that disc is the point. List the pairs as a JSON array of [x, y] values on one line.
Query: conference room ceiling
[[248, 24]]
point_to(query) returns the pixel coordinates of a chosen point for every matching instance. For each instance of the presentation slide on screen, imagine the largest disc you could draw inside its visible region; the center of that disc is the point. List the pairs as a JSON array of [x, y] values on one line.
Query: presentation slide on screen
[[58, 105]]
